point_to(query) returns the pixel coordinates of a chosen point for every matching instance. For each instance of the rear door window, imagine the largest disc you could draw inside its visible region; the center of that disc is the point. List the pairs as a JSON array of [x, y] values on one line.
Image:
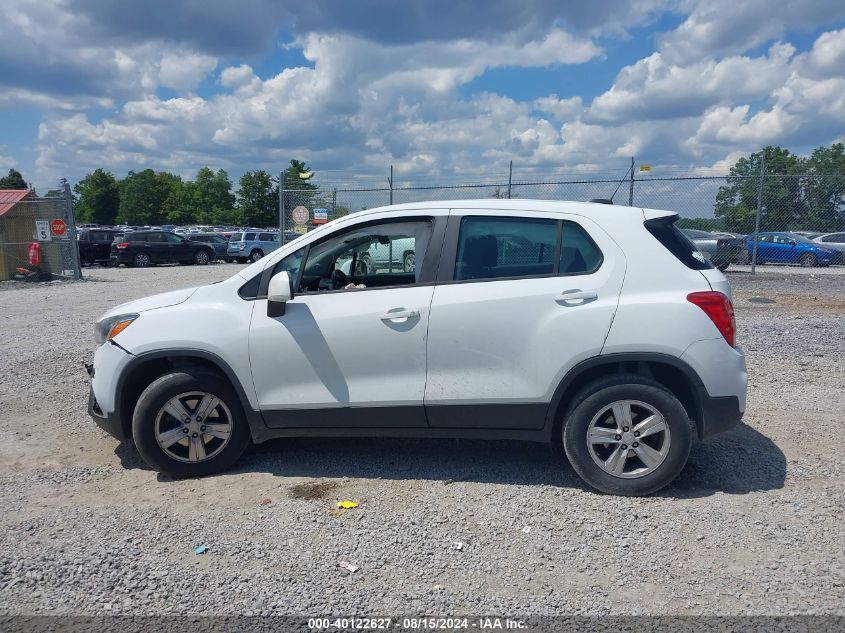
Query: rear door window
[[249, 237], [500, 247], [266, 237]]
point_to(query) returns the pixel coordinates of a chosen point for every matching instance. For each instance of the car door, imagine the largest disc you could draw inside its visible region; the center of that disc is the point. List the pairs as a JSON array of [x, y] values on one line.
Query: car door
[[518, 301], [765, 248], [783, 249], [350, 349]]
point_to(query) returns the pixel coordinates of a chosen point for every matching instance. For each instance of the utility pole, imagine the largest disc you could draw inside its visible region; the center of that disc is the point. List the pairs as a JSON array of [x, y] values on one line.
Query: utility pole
[[390, 182], [759, 210], [631, 189], [282, 208], [510, 179]]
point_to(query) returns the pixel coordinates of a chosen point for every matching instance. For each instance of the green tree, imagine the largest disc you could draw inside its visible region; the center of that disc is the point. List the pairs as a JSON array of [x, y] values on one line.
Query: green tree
[[824, 189], [98, 197], [258, 199], [14, 180], [212, 196], [298, 191], [702, 224], [143, 196], [783, 205]]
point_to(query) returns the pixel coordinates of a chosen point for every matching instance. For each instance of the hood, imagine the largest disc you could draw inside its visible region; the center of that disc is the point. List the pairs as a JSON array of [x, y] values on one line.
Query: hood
[[163, 300]]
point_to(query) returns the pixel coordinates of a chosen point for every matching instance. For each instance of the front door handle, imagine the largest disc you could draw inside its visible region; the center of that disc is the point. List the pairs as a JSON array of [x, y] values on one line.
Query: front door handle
[[399, 313], [576, 297]]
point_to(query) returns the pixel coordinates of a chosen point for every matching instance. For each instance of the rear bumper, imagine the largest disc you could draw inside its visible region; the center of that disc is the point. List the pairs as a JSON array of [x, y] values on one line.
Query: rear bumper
[[719, 415], [724, 382]]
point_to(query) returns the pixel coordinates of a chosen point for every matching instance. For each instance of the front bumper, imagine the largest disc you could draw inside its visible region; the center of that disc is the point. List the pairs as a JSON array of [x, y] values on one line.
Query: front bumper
[[109, 423], [110, 361]]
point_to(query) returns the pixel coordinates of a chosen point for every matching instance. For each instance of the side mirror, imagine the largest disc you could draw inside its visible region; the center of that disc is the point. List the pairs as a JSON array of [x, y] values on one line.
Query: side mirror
[[279, 292]]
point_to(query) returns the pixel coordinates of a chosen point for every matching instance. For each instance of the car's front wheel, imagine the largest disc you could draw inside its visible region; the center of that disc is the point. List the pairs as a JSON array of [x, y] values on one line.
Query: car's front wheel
[[190, 423], [627, 435]]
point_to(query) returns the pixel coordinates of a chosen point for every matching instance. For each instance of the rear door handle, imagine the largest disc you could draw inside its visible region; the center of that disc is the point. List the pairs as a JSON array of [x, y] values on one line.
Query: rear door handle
[[576, 297], [399, 313]]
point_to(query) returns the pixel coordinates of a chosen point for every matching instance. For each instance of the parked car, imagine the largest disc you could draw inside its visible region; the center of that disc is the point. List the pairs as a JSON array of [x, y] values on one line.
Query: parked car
[[832, 240], [143, 248], [474, 343], [219, 243], [95, 245], [730, 250], [253, 244], [706, 241], [790, 248]]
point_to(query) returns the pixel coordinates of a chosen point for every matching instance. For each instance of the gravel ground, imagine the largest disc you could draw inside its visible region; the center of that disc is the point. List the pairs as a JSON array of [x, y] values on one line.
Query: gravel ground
[[752, 526]]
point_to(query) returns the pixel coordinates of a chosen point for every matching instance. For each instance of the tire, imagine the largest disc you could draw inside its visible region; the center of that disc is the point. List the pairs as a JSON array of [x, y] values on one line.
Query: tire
[[808, 260], [202, 258], [723, 266], [364, 266], [409, 263], [592, 412], [141, 260], [255, 255], [150, 421]]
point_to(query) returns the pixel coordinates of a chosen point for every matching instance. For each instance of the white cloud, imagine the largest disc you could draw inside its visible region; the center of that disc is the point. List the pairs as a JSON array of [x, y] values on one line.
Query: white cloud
[[725, 27], [183, 71]]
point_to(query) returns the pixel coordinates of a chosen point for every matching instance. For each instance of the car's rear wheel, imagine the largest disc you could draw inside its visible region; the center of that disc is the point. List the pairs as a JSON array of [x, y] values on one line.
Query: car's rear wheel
[[808, 260], [190, 423], [141, 260], [627, 435], [255, 255], [409, 263], [201, 258]]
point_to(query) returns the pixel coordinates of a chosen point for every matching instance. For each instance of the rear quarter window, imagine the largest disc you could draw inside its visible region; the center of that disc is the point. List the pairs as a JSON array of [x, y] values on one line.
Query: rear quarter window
[[671, 237]]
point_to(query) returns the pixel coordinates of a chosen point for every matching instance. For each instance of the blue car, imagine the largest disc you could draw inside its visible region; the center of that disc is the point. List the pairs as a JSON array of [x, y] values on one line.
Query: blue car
[[790, 248]]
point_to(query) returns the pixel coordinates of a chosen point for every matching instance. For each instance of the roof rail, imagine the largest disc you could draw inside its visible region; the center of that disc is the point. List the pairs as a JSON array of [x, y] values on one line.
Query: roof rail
[[602, 201]]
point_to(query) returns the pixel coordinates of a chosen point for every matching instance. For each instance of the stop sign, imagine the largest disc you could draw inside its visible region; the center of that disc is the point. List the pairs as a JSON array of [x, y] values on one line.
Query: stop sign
[[58, 227]]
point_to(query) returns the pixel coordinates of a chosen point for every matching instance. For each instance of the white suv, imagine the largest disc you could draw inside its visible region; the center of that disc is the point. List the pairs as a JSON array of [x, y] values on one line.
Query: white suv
[[596, 328]]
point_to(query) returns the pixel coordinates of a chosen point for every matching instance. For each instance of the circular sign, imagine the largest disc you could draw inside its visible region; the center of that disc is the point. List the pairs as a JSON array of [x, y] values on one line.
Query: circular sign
[[300, 215], [58, 227]]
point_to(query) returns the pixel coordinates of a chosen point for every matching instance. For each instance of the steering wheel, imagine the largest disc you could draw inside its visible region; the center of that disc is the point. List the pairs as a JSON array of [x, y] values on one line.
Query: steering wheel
[[339, 279]]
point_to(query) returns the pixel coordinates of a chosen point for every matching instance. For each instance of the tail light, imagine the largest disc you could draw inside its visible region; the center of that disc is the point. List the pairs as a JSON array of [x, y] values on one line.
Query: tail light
[[720, 310], [241, 246], [122, 245]]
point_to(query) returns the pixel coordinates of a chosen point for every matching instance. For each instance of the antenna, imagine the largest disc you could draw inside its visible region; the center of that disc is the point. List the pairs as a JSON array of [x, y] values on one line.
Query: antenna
[[627, 171]]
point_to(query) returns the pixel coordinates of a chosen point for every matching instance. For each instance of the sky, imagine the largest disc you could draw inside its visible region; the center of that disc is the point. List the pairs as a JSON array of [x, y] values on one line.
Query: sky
[[445, 91]]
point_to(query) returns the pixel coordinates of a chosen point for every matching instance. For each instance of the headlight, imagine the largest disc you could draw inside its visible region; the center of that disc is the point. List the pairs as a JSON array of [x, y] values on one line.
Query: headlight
[[107, 329]]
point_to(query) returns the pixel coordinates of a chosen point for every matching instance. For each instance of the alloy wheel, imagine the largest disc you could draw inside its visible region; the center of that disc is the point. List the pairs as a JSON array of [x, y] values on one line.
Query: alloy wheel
[[628, 439], [193, 427]]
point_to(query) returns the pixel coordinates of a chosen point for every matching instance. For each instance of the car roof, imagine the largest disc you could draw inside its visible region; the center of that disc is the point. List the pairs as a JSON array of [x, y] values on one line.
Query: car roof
[[590, 209]]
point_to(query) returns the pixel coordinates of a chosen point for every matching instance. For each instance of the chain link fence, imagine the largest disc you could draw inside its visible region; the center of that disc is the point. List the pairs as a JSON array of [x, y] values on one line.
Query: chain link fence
[[809, 208], [38, 239]]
